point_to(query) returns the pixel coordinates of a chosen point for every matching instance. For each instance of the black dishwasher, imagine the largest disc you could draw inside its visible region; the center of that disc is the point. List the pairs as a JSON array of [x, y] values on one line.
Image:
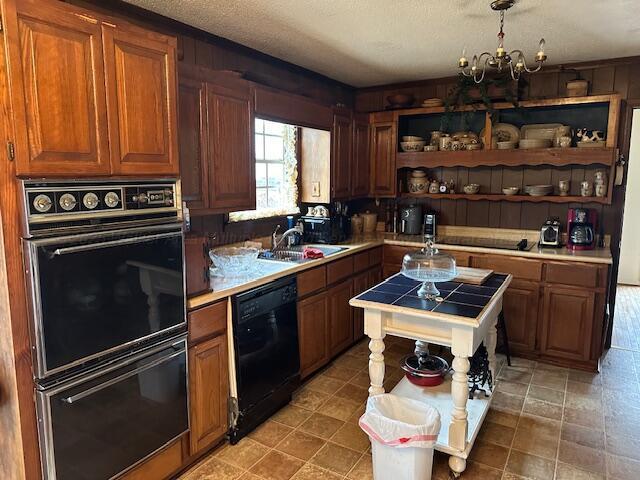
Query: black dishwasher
[[265, 339]]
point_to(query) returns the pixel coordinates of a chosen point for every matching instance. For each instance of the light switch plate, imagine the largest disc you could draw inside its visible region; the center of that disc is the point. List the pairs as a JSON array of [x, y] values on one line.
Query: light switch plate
[[315, 189]]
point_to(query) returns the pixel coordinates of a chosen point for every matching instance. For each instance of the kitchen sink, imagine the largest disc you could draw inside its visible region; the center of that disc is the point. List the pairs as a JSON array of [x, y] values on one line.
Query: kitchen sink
[[295, 253]]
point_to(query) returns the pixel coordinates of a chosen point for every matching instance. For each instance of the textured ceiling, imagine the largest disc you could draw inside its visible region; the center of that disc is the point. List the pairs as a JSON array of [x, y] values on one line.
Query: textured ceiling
[[371, 42]]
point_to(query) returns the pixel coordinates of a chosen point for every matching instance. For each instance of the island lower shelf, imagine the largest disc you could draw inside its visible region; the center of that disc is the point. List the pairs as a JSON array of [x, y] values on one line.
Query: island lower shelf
[[440, 398]]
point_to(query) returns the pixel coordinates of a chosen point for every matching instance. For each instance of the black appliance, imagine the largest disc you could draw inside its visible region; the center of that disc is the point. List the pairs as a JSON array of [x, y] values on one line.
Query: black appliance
[[267, 360], [550, 234], [334, 229], [105, 268], [581, 228], [410, 220], [430, 225]]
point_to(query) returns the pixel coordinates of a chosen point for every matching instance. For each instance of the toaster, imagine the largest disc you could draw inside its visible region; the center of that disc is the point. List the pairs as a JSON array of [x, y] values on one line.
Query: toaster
[[550, 234]]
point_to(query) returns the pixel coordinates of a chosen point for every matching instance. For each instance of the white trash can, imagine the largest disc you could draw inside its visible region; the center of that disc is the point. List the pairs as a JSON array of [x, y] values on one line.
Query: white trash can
[[403, 433]]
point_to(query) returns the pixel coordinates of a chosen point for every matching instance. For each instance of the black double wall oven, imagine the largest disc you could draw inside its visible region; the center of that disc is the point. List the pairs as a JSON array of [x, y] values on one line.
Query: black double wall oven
[[105, 266]]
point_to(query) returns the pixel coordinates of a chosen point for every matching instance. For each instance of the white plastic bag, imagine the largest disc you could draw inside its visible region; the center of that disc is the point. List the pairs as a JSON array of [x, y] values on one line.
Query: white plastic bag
[[400, 422]]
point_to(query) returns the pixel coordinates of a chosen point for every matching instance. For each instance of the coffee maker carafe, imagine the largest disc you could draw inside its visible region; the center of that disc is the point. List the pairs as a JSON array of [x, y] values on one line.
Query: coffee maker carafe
[[581, 228]]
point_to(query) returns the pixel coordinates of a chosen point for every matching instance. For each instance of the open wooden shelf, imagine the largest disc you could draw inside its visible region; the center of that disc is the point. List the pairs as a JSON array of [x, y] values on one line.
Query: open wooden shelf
[[511, 198], [558, 157]]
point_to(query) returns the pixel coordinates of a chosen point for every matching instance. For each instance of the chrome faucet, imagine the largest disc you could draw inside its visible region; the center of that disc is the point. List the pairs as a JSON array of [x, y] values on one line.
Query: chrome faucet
[[276, 240]]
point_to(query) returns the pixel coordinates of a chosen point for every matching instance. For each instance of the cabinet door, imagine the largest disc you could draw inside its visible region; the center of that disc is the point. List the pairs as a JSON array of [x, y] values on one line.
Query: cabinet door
[[232, 181], [361, 283], [567, 322], [57, 90], [142, 104], [341, 157], [340, 317], [208, 392], [313, 329], [383, 159], [360, 159], [520, 306], [194, 167], [375, 277]]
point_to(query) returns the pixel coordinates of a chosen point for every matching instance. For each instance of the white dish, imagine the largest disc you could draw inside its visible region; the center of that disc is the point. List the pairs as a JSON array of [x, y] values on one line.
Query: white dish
[[506, 145], [510, 190], [546, 131], [538, 190], [534, 143], [504, 131], [596, 144], [412, 138]]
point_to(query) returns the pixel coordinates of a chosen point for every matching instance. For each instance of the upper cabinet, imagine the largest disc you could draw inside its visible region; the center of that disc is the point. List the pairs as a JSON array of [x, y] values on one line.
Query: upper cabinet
[[341, 157], [360, 157], [217, 162], [383, 157], [89, 97], [141, 96]]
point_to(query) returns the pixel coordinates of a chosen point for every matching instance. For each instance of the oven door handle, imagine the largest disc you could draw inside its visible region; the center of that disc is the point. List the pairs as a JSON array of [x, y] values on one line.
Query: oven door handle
[[90, 391], [112, 243]]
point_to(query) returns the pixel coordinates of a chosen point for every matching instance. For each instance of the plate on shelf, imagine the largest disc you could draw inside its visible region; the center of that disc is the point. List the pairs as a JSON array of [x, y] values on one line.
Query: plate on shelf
[[596, 144], [539, 131], [505, 132], [527, 143]]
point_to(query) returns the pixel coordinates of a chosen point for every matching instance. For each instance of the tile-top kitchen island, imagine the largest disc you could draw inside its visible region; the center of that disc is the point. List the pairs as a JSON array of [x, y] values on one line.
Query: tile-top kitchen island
[[466, 317]]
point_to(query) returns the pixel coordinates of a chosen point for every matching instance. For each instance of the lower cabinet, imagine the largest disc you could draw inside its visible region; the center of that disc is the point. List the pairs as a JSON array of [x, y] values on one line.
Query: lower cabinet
[[313, 329], [567, 322], [208, 392], [340, 316], [520, 305]]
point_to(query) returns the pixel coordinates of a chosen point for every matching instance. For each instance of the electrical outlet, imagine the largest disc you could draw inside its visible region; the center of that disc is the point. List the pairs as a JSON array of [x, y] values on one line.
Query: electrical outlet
[[315, 189]]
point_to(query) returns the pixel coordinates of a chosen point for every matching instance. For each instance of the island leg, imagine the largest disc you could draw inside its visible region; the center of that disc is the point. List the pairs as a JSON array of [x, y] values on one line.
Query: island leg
[[459, 424], [490, 343], [373, 325]]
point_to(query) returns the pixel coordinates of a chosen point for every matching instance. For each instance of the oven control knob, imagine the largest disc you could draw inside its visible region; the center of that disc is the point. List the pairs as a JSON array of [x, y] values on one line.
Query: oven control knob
[[90, 200], [111, 199], [142, 198], [68, 202], [42, 203]]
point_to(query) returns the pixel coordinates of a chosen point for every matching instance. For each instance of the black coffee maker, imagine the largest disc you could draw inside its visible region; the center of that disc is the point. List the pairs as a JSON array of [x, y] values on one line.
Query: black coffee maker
[[581, 228]]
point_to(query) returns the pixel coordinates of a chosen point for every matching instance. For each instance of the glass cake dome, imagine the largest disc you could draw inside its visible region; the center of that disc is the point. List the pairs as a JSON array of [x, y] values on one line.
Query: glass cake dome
[[429, 265]]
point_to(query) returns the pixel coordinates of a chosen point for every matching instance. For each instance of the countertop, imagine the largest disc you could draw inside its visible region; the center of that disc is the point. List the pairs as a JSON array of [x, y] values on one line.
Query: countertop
[[223, 287]]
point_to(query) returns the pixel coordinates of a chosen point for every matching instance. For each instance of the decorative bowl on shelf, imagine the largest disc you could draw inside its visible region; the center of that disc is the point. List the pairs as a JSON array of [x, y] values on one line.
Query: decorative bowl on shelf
[[506, 145], [511, 190], [234, 261], [425, 370], [400, 100], [430, 148], [412, 146], [538, 190], [471, 188], [473, 146], [412, 138]]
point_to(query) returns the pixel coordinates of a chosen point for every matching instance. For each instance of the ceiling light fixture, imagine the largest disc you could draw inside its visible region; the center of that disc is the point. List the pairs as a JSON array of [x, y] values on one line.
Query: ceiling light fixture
[[501, 60]]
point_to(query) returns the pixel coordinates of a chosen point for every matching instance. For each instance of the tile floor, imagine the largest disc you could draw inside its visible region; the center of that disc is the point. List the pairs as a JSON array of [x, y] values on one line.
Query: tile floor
[[626, 326], [545, 422]]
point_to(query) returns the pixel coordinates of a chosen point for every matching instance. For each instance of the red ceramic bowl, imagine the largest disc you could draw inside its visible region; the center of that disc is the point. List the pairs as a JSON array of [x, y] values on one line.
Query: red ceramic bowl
[[424, 377]]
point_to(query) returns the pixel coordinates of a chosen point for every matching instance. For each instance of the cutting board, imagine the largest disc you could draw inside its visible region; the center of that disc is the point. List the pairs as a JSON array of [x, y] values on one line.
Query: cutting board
[[473, 276]]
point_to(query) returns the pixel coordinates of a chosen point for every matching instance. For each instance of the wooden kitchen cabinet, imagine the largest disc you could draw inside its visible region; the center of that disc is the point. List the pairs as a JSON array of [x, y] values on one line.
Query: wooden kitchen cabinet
[[90, 95], [383, 159], [192, 141], [341, 157], [57, 90], [520, 305], [360, 157], [361, 282], [567, 322], [313, 330], [340, 317], [232, 176], [142, 102], [208, 392]]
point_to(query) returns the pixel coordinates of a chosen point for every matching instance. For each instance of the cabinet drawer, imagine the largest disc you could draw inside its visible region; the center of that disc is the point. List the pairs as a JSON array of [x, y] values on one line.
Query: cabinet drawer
[[360, 261], [393, 254], [462, 258], [312, 280], [375, 257], [518, 267], [572, 274], [160, 465], [339, 270], [207, 321]]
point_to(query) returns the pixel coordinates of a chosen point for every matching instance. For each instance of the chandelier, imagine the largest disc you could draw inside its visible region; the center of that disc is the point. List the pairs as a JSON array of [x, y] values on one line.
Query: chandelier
[[502, 60]]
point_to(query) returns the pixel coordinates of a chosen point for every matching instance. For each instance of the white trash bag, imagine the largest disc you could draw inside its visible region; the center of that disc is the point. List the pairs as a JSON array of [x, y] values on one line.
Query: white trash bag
[[403, 433]]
